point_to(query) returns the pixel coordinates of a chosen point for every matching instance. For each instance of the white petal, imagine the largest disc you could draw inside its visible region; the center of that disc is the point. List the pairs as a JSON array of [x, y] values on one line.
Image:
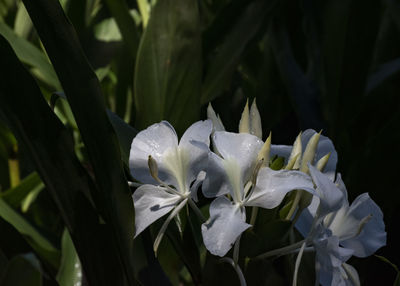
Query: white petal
[[156, 140], [331, 197], [325, 146], [151, 203], [272, 186], [196, 184], [329, 257], [352, 275], [242, 147], [225, 225], [373, 235], [196, 141], [220, 181]]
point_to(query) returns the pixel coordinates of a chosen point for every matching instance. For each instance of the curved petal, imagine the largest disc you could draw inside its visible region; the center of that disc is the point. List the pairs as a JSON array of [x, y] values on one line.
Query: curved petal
[[329, 256], [225, 225], [196, 141], [156, 140], [196, 184], [373, 235], [281, 151], [151, 203], [240, 147], [222, 177], [331, 197], [272, 186], [325, 146]]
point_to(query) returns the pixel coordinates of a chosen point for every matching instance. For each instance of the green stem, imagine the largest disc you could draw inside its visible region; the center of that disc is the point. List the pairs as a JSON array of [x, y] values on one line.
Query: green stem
[[196, 210], [281, 251]]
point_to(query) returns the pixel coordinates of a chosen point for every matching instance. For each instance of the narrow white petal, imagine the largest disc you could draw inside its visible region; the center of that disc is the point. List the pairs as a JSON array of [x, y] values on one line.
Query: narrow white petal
[[331, 197], [156, 140], [151, 203], [196, 184], [272, 186], [373, 235], [225, 225], [195, 142]]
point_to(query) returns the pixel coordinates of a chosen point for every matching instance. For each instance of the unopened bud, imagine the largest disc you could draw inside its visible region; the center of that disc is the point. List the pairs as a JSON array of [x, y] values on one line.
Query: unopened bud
[[295, 155], [264, 153], [216, 120], [309, 153], [244, 123], [321, 164], [255, 120]]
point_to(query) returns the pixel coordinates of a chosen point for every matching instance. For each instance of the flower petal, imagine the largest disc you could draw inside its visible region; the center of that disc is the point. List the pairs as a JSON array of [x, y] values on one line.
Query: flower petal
[[272, 186], [196, 141], [281, 151], [373, 235], [151, 203], [331, 197], [222, 177], [196, 184], [155, 141], [240, 147], [225, 225], [329, 256]]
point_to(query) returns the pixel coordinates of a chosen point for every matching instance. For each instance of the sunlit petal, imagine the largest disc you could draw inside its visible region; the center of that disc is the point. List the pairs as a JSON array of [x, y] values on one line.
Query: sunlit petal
[[226, 223], [151, 203]]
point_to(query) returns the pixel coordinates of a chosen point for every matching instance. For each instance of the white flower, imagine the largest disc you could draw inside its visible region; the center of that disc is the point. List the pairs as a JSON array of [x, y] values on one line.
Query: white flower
[[340, 231], [173, 164], [233, 173]]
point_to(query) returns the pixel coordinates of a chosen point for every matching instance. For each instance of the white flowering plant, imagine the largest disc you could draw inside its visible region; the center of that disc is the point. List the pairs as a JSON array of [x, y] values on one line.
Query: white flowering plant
[[242, 190]]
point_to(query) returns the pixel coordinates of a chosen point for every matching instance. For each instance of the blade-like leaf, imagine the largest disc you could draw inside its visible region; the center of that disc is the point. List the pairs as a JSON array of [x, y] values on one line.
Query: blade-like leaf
[[38, 242], [14, 196], [31, 55], [22, 270], [168, 67], [70, 272], [112, 195], [50, 147], [230, 52]]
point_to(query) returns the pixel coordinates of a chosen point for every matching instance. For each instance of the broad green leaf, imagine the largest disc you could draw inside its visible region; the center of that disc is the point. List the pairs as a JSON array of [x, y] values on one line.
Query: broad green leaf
[[22, 270], [169, 67], [70, 272], [38, 242], [229, 53], [54, 158], [31, 55]]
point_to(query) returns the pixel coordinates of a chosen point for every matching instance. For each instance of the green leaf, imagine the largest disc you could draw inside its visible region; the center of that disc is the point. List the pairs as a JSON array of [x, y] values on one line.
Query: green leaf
[[229, 53], [38, 242], [23, 23], [15, 196], [50, 148], [70, 272], [168, 66], [31, 55], [112, 195], [22, 270]]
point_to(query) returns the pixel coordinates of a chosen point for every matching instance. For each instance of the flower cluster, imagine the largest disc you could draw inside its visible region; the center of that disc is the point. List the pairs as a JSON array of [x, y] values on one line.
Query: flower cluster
[[234, 168]]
